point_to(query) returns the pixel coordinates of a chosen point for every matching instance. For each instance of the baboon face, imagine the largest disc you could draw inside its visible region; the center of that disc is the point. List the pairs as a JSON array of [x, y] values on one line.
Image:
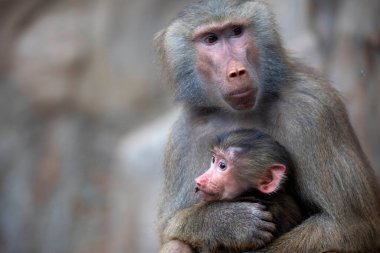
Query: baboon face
[[222, 54], [243, 160], [227, 59], [219, 182]]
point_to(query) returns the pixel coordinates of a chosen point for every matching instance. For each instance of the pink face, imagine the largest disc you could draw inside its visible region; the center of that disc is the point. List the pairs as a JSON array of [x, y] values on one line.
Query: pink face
[[219, 182], [227, 57]]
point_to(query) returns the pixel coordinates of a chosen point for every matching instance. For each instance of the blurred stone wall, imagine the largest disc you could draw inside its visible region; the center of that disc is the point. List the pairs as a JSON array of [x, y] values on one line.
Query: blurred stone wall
[[84, 113]]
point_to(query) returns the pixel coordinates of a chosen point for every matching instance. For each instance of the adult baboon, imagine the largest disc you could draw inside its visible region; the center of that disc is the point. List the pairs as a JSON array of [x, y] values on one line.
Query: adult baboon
[[228, 68]]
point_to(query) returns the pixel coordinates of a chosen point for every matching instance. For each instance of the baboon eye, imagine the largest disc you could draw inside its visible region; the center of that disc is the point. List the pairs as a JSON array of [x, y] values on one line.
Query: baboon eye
[[213, 159], [222, 166], [211, 39], [237, 30]]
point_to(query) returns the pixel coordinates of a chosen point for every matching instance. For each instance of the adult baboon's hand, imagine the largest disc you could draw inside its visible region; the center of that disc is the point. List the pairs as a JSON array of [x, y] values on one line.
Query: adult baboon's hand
[[246, 224], [232, 225]]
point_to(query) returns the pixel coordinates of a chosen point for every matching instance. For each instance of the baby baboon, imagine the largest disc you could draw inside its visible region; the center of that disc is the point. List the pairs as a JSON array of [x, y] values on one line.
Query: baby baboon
[[248, 165]]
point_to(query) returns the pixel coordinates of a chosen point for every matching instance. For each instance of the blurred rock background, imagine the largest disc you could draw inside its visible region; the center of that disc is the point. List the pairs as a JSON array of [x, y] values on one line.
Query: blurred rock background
[[84, 113]]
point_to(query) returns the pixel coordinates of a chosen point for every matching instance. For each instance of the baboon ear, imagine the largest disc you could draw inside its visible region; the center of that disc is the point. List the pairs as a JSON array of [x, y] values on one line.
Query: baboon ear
[[272, 180]]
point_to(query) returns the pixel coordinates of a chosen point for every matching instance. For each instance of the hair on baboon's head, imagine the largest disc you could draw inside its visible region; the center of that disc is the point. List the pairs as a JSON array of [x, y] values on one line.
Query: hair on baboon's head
[[256, 152]]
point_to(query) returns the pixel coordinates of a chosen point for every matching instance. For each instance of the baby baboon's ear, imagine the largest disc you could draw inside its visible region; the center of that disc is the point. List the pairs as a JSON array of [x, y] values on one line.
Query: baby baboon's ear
[[272, 179]]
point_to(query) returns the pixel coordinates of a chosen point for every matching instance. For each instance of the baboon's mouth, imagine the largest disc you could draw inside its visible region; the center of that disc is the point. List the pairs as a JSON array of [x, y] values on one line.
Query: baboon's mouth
[[206, 196], [240, 93], [242, 100]]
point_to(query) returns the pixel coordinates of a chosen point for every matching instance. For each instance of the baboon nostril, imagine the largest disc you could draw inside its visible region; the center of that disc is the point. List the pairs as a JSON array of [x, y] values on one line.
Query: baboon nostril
[[233, 74], [241, 72]]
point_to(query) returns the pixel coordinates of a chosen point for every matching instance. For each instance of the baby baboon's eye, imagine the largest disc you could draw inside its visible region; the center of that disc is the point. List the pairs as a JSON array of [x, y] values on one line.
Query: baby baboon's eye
[[222, 166]]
